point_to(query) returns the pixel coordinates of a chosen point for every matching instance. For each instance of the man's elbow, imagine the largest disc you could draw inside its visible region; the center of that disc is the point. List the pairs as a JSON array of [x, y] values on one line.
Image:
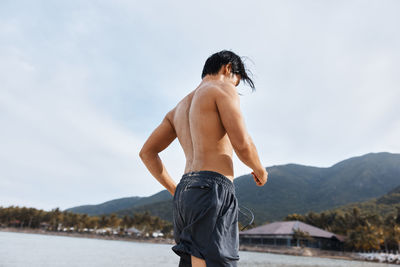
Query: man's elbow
[[145, 154], [141, 154], [244, 148], [243, 151]]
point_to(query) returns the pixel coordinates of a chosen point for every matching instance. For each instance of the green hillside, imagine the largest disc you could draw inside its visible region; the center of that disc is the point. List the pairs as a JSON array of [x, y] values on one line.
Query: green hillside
[[298, 189], [121, 204], [106, 207], [383, 206], [369, 225]]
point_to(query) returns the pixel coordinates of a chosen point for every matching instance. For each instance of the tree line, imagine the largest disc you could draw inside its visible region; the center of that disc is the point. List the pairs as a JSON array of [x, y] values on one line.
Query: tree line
[[363, 231], [54, 220]]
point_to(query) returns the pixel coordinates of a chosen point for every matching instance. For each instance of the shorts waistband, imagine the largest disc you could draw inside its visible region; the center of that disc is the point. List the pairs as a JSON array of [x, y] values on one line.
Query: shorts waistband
[[212, 176]]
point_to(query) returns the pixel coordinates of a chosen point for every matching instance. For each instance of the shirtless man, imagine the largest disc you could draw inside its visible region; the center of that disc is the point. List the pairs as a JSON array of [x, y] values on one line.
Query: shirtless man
[[209, 126]]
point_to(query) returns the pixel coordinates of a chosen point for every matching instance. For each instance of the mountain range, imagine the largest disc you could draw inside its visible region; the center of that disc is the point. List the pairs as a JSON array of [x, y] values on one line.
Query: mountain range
[[384, 205], [291, 188]]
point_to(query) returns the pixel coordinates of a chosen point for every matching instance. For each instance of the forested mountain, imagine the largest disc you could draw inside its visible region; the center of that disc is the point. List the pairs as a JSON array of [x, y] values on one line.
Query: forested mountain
[[290, 189], [298, 189], [383, 206], [115, 205], [370, 225]]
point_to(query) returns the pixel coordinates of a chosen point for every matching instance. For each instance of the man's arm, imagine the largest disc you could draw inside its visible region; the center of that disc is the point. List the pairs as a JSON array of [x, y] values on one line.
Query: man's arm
[[228, 105], [159, 140]]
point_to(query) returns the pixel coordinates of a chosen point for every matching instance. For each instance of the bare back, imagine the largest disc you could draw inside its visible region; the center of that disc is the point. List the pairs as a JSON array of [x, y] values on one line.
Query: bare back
[[200, 131]]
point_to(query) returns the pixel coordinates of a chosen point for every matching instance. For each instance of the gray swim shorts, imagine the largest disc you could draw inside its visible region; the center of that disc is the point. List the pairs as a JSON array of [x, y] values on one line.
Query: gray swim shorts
[[206, 219]]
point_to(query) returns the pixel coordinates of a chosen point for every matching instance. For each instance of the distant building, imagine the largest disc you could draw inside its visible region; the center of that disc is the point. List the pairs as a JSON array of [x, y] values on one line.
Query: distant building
[[291, 233], [133, 231], [157, 234], [44, 225]]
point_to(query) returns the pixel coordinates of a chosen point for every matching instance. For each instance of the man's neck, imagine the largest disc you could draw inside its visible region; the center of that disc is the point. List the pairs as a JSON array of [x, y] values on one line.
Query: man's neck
[[219, 77]]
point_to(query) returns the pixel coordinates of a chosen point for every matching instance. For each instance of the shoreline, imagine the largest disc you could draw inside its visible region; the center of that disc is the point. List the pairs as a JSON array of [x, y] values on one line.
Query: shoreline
[[293, 251], [372, 257], [301, 251], [155, 240]]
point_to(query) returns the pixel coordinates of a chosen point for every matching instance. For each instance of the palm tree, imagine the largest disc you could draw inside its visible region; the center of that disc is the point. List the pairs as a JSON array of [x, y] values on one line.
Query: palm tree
[[301, 236], [55, 218], [368, 237], [103, 222], [114, 220], [126, 222]]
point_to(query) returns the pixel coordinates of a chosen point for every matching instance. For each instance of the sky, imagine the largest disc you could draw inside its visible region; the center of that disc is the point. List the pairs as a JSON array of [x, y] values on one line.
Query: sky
[[84, 83]]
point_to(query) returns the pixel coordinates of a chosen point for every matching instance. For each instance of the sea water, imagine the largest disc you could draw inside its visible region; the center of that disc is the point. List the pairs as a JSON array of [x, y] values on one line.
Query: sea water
[[36, 250]]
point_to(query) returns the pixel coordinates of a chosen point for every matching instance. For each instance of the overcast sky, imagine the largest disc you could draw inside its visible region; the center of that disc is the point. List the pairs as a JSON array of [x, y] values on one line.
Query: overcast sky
[[83, 83]]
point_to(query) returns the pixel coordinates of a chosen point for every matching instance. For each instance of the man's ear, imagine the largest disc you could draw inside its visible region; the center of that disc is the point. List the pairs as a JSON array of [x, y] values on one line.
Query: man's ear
[[228, 68]]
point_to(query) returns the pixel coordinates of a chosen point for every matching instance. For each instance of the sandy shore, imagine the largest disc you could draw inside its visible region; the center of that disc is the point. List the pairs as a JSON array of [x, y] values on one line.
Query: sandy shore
[[300, 251]]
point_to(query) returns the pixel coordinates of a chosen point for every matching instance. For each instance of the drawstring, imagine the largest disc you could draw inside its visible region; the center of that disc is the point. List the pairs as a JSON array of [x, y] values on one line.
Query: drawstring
[[252, 216]]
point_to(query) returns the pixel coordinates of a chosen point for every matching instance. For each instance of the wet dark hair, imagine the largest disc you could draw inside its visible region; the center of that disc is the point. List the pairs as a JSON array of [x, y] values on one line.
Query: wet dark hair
[[216, 61]]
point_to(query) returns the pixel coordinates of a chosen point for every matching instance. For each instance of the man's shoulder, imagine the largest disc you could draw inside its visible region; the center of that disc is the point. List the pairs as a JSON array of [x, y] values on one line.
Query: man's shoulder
[[170, 114], [229, 88], [221, 89], [226, 91]]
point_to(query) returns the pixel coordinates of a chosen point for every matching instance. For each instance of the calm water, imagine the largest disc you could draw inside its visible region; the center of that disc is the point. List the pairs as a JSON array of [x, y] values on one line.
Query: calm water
[[34, 250]]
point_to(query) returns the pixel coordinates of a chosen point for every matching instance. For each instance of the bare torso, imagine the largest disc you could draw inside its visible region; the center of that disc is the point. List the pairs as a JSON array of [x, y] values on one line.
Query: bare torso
[[200, 131]]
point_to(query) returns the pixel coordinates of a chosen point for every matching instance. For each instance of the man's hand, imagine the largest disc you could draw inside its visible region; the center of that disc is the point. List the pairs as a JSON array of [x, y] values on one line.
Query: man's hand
[[173, 190], [260, 178]]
